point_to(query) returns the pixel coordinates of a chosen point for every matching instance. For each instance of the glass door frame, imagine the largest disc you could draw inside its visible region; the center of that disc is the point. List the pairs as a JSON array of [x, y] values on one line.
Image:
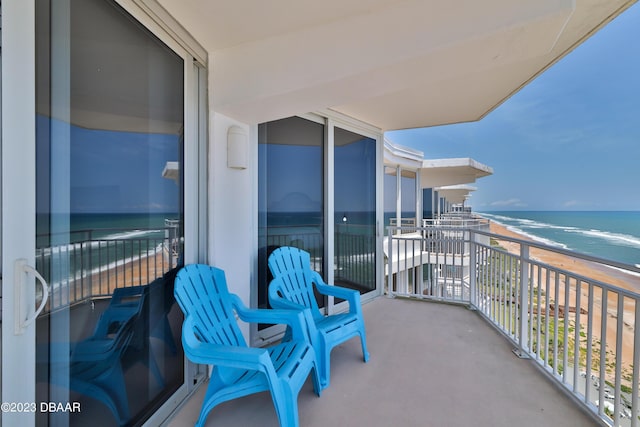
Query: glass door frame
[[336, 120], [330, 120], [19, 187]]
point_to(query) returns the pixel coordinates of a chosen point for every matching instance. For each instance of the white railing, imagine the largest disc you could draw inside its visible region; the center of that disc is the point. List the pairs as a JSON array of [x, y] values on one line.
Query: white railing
[[457, 221], [558, 307], [97, 261]]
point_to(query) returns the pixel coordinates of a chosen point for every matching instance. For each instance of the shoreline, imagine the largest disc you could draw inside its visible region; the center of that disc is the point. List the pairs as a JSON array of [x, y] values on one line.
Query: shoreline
[[102, 281], [606, 274], [615, 279]]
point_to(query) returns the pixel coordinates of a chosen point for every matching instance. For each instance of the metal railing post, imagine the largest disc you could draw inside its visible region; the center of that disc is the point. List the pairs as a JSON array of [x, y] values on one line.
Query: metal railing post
[[390, 263], [523, 312], [473, 268]]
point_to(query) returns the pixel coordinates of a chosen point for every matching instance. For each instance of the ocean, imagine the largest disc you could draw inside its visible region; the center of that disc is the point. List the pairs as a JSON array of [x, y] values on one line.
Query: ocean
[[613, 235], [95, 242]]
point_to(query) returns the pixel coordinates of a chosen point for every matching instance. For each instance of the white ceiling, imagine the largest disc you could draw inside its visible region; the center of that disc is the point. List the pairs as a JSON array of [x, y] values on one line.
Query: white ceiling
[[393, 64]]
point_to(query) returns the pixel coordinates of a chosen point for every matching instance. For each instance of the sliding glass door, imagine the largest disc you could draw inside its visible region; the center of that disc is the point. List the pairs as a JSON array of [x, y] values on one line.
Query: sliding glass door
[[105, 234], [317, 183], [290, 193], [355, 210]]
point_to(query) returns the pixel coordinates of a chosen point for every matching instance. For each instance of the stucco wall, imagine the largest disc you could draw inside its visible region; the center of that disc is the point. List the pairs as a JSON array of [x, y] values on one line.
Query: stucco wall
[[231, 209]]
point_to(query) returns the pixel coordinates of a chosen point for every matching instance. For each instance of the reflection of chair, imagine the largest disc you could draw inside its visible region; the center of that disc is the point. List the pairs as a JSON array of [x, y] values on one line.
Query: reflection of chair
[[95, 363], [153, 321], [293, 288], [264, 275], [210, 335]]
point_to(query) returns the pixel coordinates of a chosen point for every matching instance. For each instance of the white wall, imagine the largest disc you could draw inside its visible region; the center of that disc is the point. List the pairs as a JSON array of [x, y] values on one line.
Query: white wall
[[231, 210]]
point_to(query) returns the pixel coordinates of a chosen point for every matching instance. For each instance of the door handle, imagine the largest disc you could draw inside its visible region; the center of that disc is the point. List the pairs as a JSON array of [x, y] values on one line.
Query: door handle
[[21, 272]]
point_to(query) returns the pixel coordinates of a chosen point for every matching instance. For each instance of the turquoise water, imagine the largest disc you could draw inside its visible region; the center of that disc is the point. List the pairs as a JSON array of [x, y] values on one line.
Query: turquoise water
[[611, 235], [85, 243]]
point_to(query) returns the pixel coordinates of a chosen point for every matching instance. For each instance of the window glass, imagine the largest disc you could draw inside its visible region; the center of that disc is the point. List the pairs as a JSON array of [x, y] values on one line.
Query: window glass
[[290, 193]]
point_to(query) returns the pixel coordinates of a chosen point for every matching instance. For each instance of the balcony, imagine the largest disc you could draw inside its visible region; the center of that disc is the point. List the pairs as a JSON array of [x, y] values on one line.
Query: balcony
[[523, 334], [571, 314], [431, 365]]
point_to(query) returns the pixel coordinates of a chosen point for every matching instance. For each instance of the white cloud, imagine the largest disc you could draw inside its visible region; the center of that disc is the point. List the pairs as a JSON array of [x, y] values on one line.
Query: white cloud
[[510, 202], [579, 203]]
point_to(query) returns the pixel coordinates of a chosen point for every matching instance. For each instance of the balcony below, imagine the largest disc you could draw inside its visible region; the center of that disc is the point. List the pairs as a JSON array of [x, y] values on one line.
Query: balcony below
[[431, 365]]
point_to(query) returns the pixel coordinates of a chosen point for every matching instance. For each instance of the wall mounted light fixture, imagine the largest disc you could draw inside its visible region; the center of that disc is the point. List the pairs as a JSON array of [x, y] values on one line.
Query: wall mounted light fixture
[[237, 148]]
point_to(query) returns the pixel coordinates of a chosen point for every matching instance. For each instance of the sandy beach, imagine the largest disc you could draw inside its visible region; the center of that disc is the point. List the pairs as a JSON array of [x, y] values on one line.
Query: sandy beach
[[133, 272], [603, 274]]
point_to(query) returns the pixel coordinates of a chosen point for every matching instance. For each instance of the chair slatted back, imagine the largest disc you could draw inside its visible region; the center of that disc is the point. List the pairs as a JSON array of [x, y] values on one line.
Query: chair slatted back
[[201, 291], [292, 268]]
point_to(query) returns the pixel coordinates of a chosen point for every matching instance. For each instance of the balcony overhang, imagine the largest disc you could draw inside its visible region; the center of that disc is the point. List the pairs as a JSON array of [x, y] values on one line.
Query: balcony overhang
[[399, 155], [456, 193], [445, 172], [392, 64]]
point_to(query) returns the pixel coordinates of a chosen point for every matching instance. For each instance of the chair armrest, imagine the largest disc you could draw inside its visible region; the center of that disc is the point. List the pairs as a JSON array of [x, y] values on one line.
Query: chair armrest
[[282, 303], [93, 350], [352, 296], [215, 354], [294, 318], [120, 315], [126, 293], [278, 301]]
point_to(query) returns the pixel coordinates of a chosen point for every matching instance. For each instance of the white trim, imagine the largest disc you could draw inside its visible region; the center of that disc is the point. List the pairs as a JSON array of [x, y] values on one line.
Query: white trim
[[399, 195], [151, 14], [329, 208], [18, 136], [18, 201], [312, 117], [203, 166], [418, 191], [379, 217], [190, 158], [330, 120], [350, 123], [402, 151]]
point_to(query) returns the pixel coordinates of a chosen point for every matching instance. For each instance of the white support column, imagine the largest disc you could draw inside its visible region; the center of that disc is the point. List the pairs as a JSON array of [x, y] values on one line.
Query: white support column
[[398, 196], [329, 212]]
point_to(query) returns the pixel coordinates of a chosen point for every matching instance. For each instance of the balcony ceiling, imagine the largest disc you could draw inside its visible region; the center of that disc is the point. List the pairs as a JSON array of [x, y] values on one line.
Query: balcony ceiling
[[445, 172], [393, 64], [456, 193]]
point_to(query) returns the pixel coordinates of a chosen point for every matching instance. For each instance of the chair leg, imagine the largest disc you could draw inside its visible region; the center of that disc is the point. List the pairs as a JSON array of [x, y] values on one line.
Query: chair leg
[[110, 391], [363, 341], [285, 401], [325, 367], [210, 398], [315, 377]]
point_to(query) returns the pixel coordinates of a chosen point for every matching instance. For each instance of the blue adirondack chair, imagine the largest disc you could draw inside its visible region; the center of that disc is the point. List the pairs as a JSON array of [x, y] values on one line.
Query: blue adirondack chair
[[211, 336], [292, 288]]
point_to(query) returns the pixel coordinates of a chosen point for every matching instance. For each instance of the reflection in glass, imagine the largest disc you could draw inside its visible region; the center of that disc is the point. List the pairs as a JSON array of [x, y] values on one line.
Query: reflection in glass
[[290, 193], [390, 196], [109, 213], [408, 191], [355, 210], [427, 203]]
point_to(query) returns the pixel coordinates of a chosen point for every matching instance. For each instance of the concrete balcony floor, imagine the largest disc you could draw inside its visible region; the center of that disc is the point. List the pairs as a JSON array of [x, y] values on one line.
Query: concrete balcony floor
[[431, 365]]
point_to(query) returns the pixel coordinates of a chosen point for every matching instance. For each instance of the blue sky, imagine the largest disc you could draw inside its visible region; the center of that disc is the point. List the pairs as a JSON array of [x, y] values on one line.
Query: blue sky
[[570, 140], [121, 172]]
